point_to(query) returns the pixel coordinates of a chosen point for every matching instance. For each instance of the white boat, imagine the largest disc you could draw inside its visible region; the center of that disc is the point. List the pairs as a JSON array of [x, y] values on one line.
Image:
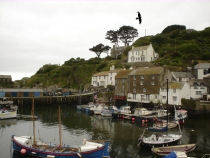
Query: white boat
[[125, 110], [7, 110], [138, 112], [161, 113], [97, 109], [156, 140], [106, 112]]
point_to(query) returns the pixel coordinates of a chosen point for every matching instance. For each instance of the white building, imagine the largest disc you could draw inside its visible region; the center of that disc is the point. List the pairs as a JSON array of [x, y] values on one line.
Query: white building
[[176, 91], [142, 54], [202, 70], [179, 90], [105, 78], [100, 79]]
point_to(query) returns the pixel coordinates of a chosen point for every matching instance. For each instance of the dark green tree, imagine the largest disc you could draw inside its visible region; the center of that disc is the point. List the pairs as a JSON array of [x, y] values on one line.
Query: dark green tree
[[127, 34], [112, 36], [100, 48]]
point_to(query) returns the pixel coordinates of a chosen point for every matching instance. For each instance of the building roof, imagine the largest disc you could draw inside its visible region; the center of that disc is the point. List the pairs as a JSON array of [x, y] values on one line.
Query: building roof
[[175, 85], [123, 74], [116, 70], [140, 48], [104, 73], [5, 76], [182, 74], [147, 71], [202, 66]]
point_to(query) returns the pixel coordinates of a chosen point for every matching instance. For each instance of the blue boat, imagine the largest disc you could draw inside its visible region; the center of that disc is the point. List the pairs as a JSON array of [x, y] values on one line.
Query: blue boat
[[31, 146], [89, 149]]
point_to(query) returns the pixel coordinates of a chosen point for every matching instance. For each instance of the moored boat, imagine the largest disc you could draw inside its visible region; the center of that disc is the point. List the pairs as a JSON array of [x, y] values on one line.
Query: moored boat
[[24, 145], [161, 151], [7, 110]]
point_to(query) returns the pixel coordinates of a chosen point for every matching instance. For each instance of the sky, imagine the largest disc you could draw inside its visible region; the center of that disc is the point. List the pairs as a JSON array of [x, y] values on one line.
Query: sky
[[38, 32]]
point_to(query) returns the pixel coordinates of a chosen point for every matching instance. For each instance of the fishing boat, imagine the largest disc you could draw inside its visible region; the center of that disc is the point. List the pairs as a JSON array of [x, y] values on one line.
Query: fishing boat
[[29, 145], [180, 115], [106, 112], [7, 109], [162, 151]]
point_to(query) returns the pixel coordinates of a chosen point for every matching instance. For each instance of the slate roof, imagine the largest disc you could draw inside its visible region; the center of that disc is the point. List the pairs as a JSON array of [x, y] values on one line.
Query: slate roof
[[123, 74], [202, 66], [182, 74], [104, 73], [147, 71]]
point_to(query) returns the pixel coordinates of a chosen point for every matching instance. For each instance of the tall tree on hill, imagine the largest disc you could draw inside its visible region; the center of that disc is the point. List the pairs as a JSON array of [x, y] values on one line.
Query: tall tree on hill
[[100, 48], [127, 34], [113, 37]]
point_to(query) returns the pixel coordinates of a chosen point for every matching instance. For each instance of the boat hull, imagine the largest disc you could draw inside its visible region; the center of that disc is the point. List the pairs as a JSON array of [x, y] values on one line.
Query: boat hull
[[8, 115], [162, 151], [96, 153]]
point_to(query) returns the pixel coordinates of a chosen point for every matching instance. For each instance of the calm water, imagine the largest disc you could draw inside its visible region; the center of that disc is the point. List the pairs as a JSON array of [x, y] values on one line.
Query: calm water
[[76, 126]]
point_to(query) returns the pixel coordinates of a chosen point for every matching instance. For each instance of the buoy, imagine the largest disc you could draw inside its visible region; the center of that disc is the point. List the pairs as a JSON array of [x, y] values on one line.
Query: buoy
[[133, 119], [23, 151]]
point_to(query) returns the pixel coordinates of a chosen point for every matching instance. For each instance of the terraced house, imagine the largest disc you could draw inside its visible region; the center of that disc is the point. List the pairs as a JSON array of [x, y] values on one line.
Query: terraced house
[[105, 78], [144, 84], [121, 85]]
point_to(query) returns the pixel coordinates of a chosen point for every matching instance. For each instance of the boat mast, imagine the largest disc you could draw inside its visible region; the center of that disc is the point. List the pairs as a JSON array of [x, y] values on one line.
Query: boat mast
[[59, 123], [33, 118], [167, 102]]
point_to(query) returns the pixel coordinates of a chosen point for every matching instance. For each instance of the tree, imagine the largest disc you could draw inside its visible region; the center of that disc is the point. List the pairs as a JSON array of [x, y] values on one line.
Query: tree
[[127, 34], [100, 48], [112, 36]]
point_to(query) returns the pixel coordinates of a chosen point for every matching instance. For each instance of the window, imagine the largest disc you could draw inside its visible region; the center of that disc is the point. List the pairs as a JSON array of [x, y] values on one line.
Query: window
[[164, 97], [141, 83], [148, 97], [142, 97], [142, 58], [132, 58], [198, 92], [134, 96], [110, 78], [174, 98], [174, 90]]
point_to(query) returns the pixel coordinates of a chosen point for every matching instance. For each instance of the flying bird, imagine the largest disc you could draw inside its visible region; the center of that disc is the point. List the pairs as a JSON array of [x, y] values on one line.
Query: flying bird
[[139, 17]]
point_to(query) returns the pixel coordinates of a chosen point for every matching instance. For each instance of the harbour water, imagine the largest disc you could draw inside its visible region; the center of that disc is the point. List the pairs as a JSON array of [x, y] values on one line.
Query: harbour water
[[77, 126]]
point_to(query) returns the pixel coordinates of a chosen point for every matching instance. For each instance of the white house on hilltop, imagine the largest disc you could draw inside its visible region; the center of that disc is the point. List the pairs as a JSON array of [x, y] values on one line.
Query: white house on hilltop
[[142, 54]]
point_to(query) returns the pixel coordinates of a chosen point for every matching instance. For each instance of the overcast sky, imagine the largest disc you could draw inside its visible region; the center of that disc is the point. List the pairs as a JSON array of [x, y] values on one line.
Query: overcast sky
[[38, 32]]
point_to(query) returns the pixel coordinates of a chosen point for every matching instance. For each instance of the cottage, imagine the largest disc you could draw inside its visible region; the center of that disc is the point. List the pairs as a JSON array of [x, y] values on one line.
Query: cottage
[[176, 91], [144, 84], [121, 85], [100, 79], [142, 54], [202, 70], [181, 76], [105, 78]]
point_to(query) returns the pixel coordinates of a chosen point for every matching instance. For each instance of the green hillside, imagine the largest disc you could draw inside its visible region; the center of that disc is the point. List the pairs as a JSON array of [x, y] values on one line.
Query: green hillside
[[176, 46]]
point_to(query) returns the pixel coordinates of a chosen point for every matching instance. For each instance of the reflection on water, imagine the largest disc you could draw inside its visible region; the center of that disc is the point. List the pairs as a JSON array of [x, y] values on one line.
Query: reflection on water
[[76, 126]]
